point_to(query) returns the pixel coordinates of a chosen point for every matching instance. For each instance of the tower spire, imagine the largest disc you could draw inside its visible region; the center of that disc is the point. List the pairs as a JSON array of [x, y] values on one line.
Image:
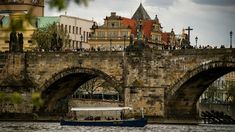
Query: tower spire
[[141, 14]]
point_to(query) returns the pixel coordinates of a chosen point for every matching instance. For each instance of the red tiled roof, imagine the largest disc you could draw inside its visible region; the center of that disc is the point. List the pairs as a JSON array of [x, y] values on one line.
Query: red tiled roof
[[166, 37], [147, 26], [131, 23]]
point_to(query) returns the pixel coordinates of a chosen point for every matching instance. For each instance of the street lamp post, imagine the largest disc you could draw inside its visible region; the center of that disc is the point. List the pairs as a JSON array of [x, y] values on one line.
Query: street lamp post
[[231, 39], [124, 42], [196, 41], [81, 43]]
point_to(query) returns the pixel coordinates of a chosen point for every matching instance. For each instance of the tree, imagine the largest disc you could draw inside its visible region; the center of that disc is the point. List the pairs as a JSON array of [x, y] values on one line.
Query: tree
[[231, 93], [211, 93], [91, 86], [50, 38], [16, 98], [36, 100], [96, 85], [63, 4]]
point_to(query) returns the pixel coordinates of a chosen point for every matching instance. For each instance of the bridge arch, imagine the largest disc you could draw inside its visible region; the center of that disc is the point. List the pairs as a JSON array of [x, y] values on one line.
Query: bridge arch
[[181, 99], [65, 83]]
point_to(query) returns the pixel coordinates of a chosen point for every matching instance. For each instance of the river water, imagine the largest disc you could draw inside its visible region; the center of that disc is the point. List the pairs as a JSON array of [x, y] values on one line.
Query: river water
[[55, 127]]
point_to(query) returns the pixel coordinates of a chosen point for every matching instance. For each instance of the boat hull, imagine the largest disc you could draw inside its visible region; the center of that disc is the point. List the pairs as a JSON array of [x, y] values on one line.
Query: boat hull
[[123, 123]]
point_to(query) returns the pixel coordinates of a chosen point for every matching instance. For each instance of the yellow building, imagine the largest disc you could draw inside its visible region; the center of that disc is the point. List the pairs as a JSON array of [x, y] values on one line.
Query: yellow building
[[112, 35], [22, 25], [33, 7], [13, 13], [230, 77]]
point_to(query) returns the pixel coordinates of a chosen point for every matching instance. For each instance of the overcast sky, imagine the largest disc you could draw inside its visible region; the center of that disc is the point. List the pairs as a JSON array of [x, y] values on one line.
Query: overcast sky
[[211, 20]]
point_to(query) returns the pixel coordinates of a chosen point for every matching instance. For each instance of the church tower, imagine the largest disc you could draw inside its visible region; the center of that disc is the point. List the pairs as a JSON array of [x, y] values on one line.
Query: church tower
[[141, 14], [33, 7]]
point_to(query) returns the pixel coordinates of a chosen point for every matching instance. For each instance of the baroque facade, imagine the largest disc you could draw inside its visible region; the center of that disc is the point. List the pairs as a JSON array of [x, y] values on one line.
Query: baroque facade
[[23, 26], [118, 32], [217, 93], [33, 7], [13, 13], [112, 35]]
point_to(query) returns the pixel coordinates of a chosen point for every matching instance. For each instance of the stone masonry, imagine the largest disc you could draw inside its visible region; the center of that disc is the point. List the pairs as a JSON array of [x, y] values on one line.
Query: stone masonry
[[165, 83]]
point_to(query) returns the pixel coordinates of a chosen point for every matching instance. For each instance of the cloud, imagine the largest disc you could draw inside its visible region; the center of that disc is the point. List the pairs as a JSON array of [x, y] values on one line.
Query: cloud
[[98, 9], [161, 3], [211, 21], [215, 2]]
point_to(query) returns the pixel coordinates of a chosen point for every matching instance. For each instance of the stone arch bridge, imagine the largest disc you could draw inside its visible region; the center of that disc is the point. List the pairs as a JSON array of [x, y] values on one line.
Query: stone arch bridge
[[165, 83]]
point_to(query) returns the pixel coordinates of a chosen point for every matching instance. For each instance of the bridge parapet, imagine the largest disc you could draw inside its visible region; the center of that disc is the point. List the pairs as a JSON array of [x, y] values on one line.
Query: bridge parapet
[[207, 52]]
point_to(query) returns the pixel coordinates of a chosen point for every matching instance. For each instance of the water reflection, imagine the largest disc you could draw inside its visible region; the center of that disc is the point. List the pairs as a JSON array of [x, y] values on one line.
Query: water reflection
[[55, 127]]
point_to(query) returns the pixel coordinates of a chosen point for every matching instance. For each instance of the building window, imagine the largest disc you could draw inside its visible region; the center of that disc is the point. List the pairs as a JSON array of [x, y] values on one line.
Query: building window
[[61, 26], [73, 29], [69, 29], [84, 34], [76, 44], [101, 34], [112, 34], [70, 41], [73, 44], [87, 35], [124, 33], [66, 28], [76, 30], [80, 31]]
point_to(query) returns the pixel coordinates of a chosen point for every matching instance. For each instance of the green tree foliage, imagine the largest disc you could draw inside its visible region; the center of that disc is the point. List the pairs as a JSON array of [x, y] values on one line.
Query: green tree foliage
[[10, 98], [63, 4], [16, 98], [45, 37], [231, 93], [36, 100], [211, 93]]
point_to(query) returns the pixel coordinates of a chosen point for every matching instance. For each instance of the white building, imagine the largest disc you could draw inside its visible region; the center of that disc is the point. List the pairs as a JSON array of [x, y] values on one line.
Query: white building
[[78, 30]]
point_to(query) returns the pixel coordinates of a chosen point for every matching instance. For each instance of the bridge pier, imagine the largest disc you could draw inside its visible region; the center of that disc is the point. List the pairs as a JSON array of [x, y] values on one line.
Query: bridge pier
[[181, 112]]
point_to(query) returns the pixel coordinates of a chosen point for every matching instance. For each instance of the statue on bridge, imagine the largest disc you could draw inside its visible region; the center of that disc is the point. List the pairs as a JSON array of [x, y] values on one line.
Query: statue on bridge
[[16, 44], [20, 42], [13, 42], [56, 42]]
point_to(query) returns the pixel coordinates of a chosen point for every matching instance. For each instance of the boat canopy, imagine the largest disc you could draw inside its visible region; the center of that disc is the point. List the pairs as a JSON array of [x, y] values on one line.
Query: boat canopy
[[100, 108]]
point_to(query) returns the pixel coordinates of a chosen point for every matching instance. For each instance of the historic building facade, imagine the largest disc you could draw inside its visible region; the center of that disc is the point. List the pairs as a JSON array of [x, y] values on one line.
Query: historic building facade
[[77, 28], [112, 35], [19, 23], [33, 7], [147, 30], [218, 92], [12, 17], [117, 32], [230, 77]]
